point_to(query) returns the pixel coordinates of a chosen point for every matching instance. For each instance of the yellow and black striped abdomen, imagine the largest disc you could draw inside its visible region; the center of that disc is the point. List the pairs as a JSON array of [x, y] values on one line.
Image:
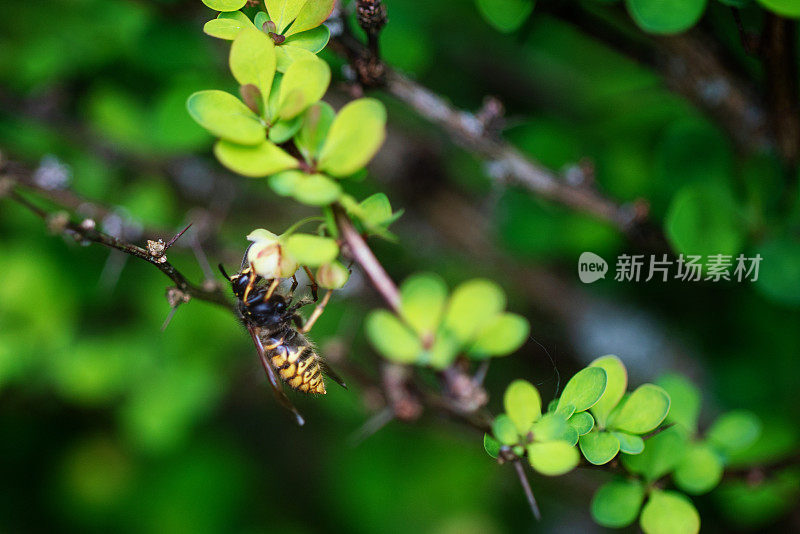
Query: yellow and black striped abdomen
[[296, 363]]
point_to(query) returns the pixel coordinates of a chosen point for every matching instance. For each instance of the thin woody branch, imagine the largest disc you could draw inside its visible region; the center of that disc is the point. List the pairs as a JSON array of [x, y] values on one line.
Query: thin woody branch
[[362, 254], [86, 231], [505, 162]]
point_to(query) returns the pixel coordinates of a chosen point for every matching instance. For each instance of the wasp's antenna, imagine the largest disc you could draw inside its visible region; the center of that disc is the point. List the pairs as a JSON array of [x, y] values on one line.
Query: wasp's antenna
[[222, 270], [244, 258]]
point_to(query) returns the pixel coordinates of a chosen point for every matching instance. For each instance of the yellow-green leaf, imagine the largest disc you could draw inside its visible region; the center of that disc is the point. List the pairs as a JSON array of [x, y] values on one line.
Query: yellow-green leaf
[[617, 503], [227, 25], [311, 250], [644, 410], [523, 404], [312, 14], [553, 458], [502, 335], [422, 300], [254, 161], [584, 389], [226, 116], [303, 84], [391, 338], [669, 512], [355, 136], [616, 383], [252, 60], [471, 305], [225, 5]]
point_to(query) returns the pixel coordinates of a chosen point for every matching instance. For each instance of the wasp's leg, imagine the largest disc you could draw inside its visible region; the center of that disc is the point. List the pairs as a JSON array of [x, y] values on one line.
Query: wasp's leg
[[272, 287], [317, 311], [314, 286], [273, 379], [290, 296], [251, 282]]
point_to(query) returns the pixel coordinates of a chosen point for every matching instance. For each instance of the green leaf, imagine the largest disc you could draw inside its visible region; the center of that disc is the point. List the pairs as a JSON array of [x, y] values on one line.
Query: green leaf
[[669, 512], [505, 15], [316, 123], [311, 250], [684, 407], [785, 8], [283, 183], [565, 410], [504, 430], [585, 388], [252, 61], [313, 13], [661, 454], [444, 351], [666, 16], [705, 219], [254, 161], [616, 504], [502, 335], [699, 471], [643, 411], [312, 40], [582, 422], [472, 305], [226, 116], [303, 84], [355, 136], [288, 54], [491, 445], [553, 458], [225, 5], [376, 210], [422, 301], [629, 443], [599, 447], [550, 427], [523, 404], [734, 431], [316, 190], [283, 12], [616, 383], [259, 20], [283, 130], [227, 25], [391, 338]]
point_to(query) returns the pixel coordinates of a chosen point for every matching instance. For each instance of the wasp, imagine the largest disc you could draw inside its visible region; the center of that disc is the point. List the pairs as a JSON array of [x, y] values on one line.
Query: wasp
[[279, 332]]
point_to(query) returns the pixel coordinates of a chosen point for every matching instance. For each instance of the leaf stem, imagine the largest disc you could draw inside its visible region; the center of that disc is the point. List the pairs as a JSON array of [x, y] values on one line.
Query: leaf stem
[[526, 486]]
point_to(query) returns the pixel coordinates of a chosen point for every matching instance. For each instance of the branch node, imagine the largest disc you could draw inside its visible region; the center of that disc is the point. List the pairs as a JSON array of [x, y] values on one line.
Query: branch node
[[58, 222]]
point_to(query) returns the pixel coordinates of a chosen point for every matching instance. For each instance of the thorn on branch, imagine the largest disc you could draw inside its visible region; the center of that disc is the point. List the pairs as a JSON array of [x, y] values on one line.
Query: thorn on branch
[[158, 249], [526, 486]]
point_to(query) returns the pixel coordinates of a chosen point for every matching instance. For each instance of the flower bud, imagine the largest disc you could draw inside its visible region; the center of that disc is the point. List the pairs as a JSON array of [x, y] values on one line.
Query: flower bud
[[267, 256], [332, 275]]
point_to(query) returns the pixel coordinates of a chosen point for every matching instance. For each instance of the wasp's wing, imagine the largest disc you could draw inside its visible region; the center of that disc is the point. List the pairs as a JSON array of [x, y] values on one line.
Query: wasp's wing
[[273, 378], [330, 373]]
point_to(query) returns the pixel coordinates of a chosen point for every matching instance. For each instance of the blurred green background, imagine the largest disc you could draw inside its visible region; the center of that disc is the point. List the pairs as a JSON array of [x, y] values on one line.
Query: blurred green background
[[108, 423]]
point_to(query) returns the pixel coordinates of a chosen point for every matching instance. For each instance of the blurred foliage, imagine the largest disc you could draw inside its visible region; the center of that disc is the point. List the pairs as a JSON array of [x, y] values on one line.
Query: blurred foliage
[[109, 424]]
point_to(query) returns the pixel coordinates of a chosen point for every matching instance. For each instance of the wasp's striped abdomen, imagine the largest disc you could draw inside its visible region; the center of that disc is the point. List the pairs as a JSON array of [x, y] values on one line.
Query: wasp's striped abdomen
[[296, 362]]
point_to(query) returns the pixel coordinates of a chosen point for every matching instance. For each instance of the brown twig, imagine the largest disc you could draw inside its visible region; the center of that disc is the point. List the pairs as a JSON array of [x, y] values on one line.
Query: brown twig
[[86, 231], [359, 250], [504, 161], [779, 52], [526, 486]]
